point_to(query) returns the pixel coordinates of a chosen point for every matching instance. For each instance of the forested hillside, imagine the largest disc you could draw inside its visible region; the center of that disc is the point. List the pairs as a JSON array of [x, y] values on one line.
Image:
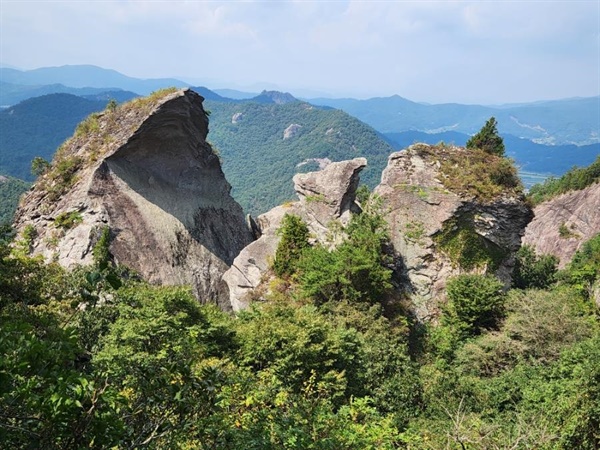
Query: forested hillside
[[10, 192], [97, 359], [36, 127], [575, 179], [259, 161]]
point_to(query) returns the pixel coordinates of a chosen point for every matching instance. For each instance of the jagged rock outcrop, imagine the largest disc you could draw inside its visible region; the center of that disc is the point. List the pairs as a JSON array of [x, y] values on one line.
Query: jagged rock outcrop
[[565, 222], [437, 233], [325, 196], [145, 170]]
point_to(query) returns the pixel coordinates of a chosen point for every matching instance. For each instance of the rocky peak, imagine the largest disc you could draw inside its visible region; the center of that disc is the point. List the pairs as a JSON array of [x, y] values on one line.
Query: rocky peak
[[276, 97], [440, 226], [324, 196], [563, 223], [145, 171]]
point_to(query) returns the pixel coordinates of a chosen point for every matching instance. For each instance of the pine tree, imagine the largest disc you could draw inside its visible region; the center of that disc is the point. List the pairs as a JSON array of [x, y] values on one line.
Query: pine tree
[[294, 239], [488, 139]]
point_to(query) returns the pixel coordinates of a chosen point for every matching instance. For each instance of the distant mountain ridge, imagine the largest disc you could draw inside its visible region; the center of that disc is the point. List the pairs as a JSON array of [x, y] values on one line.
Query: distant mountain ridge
[[37, 126], [571, 121], [83, 76], [11, 94]]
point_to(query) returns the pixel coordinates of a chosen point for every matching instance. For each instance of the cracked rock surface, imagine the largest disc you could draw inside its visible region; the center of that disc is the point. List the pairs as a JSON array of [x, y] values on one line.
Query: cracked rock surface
[[146, 172]]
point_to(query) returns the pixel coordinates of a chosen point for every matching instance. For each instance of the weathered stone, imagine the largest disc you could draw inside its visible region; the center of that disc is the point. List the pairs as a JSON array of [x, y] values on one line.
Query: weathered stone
[[419, 210], [325, 196], [291, 131], [155, 181], [563, 223], [329, 193]]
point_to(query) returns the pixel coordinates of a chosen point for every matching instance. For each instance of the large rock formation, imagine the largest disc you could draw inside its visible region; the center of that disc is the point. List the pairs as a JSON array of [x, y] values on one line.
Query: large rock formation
[[438, 233], [144, 170], [325, 196], [563, 223]]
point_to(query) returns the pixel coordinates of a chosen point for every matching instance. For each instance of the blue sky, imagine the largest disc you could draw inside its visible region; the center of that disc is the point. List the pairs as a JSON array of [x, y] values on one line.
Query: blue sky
[[432, 51]]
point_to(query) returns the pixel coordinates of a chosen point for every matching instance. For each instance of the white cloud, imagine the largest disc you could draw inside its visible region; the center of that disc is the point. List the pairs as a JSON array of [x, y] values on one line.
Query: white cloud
[[424, 50]]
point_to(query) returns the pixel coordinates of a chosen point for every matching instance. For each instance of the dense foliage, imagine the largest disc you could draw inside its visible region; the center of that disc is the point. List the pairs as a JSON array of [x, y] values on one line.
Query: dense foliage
[[251, 135], [574, 180], [10, 192], [36, 127], [532, 270], [95, 359], [294, 240]]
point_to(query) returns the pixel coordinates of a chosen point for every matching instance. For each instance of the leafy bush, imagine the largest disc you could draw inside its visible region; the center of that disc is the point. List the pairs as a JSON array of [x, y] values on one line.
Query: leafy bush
[[533, 271], [584, 268], [294, 240], [39, 166], [67, 220], [356, 269], [475, 302]]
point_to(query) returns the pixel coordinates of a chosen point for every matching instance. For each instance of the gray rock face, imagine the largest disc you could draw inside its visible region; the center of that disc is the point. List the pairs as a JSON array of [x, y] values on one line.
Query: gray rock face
[[419, 210], [329, 193], [563, 223], [159, 187], [325, 196], [291, 131]]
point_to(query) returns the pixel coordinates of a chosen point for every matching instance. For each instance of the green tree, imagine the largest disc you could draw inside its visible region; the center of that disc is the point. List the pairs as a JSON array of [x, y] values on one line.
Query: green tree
[[584, 269], [294, 240], [355, 270], [475, 302], [39, 166], [488, 139], [533, 271]]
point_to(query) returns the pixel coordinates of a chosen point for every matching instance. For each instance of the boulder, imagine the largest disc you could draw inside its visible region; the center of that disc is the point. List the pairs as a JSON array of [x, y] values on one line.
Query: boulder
[[145, 171], [325, 196]]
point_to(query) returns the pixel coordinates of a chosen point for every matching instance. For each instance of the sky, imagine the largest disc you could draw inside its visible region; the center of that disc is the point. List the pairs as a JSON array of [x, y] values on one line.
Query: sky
[[478, 52]]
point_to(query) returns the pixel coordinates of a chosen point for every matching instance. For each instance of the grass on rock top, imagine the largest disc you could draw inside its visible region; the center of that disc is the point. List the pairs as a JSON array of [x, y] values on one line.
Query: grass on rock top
[[473, 172]]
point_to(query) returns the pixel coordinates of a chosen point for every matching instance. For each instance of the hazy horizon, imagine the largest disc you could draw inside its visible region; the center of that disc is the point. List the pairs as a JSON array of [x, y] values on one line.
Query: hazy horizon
[[489, 53]]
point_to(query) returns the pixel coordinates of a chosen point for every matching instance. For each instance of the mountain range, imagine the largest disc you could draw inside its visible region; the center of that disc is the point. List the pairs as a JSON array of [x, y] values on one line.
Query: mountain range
[[544, 137], [570, 121]]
